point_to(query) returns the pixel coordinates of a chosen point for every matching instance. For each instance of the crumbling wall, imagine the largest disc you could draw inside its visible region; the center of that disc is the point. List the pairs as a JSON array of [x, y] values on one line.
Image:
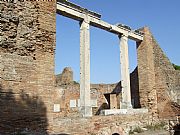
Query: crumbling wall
[[158, 80], [167, 84], [100, 125], [146, 73], [27, 32], [69, 90], [65, 78]]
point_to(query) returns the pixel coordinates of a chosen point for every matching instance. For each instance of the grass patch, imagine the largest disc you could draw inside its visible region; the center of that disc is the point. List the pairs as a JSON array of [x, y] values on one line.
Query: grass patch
[[157, 126], [136, 129]]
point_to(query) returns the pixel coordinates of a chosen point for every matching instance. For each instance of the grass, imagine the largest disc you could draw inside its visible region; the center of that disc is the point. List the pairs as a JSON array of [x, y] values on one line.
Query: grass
[[136, 129], [157, 126]]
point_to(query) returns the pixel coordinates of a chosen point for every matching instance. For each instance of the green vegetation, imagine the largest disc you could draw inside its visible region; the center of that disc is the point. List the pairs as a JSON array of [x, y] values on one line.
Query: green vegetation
[[135, 130], [75, 82], [152, 127], [176, 67], [157, 126]]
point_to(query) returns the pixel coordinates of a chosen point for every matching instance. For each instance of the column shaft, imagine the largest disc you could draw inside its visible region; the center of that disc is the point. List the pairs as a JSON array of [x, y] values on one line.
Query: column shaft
[[85, 104], [125, 76]]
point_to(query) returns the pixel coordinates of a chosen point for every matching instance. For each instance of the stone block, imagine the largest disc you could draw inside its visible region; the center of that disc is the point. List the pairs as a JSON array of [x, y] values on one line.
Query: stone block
[[72, 103], [56, 107]]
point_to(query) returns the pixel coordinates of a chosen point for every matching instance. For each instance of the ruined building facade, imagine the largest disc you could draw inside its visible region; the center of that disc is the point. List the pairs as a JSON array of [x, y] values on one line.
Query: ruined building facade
[[33, 100]]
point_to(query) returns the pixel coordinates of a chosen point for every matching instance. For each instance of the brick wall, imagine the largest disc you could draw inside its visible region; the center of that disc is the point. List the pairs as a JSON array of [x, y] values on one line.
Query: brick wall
[[100, 125], [146, 73], [65, 78], [27, 32], [69, 90], [158, 81]]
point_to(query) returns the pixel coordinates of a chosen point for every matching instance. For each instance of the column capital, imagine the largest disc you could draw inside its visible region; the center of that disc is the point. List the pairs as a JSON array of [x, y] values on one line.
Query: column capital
[[123, 35], [86, 20], [84, 24]]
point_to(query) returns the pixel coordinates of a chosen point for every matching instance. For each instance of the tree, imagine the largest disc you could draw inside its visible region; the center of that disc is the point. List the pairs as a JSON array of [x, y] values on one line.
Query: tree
[[176, 67]]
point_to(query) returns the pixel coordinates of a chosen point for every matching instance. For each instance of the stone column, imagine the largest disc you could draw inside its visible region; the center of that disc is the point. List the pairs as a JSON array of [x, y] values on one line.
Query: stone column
[[85, 104], [125, 76]]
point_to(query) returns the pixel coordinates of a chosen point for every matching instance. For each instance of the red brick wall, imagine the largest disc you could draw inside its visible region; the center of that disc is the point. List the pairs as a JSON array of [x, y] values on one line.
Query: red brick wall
[[158, 81], [27, 66]]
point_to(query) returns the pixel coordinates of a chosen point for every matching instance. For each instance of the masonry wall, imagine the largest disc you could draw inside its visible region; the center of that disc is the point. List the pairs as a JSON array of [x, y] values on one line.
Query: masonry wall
[[71, 92], [100, 125], [68, 90], [158, 80], [27, 32], [65, 78], [134, 83]]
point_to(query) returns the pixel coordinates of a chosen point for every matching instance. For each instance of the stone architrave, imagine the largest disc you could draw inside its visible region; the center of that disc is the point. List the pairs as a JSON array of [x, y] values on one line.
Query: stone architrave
[[125, 76], [85, 101]]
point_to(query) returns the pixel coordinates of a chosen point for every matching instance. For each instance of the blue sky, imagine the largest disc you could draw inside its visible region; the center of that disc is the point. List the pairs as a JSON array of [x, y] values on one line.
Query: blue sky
[[162, 16]]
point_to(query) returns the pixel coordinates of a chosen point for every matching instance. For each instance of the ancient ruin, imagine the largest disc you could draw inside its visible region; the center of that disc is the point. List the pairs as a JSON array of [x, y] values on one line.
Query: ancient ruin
[[33, 100]]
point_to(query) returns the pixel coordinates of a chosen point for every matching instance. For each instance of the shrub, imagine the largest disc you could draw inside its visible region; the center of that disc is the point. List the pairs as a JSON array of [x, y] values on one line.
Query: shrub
[[176, 67]]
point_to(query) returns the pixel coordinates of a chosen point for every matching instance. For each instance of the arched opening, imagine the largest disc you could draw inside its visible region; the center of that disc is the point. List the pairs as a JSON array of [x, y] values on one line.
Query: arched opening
[[115, 134]]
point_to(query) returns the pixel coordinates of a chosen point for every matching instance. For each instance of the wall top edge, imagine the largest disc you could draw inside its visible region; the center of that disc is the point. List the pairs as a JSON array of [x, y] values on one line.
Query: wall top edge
[[15, 1]]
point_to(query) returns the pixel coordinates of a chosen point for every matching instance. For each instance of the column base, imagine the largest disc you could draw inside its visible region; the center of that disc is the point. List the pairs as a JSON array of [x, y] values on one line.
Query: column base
[[86, 111], [125, 105]]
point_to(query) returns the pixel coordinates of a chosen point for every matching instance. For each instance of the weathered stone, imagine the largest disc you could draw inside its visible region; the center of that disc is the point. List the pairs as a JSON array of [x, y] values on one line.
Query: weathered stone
[[56, 108], [26, 67], [72, 103], [125, 102], [157, 79], [65, 78]]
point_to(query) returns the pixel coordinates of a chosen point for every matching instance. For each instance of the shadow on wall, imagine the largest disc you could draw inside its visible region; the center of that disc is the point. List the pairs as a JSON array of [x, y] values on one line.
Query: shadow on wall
[[102, 107], [177, 129], [134, 84], [21, 113], [117, 89]]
